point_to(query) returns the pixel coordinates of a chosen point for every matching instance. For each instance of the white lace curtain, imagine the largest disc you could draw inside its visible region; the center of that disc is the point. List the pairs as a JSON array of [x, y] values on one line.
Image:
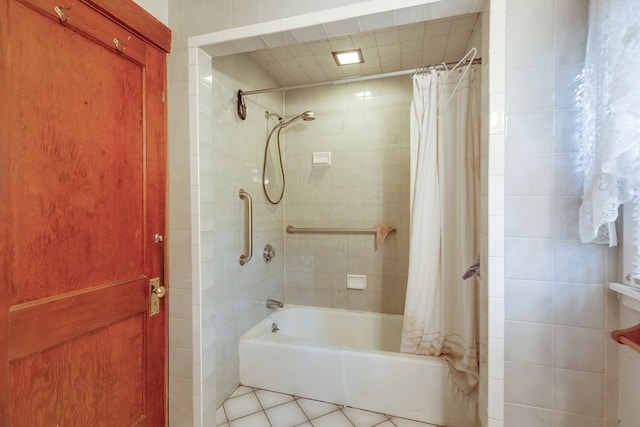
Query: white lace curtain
[[609, 132]]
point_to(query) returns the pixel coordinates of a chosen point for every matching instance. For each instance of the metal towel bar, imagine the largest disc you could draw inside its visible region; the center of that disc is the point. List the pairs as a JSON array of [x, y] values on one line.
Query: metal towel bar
[[292, 230], [248, 229]]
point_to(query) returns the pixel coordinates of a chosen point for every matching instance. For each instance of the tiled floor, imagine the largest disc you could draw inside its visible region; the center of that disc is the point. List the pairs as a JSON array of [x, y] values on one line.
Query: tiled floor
[[249, 407]]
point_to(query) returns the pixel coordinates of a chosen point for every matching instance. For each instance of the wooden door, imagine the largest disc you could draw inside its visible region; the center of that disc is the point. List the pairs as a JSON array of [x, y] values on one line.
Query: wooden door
[[82, 196]]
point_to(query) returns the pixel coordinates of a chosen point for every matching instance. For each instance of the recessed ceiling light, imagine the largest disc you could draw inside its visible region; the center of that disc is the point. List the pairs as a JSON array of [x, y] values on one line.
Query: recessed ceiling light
[[347, 57]]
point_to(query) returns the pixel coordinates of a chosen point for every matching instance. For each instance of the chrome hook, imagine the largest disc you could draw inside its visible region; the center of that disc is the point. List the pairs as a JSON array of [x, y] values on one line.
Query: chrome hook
[[61, 11]]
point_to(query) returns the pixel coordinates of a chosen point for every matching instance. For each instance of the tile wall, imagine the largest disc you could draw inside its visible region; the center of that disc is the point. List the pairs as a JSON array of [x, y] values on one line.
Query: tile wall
[[365, 127], [181, 344], [491, 283], [158, 8], [230, 151], [629, 388], [560, 366]]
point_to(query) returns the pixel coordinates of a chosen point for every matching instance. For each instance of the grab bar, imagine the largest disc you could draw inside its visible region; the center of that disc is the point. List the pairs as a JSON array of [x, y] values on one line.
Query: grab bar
[[248, 230], [292, 230]]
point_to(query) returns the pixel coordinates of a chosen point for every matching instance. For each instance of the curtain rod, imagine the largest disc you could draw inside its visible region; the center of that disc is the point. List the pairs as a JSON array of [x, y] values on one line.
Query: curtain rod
[[353, 79]]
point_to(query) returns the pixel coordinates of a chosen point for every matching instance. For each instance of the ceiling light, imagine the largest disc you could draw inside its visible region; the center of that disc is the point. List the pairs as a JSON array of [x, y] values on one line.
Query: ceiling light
[[347, 57]]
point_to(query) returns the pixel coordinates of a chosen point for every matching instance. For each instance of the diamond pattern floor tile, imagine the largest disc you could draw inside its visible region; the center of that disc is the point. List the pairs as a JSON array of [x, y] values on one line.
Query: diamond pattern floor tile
[[315, 409], [287, 415], [334, 419], [269, 399], [221, 417], [255, 420], [248, 407], [241, 406], [362, 418]]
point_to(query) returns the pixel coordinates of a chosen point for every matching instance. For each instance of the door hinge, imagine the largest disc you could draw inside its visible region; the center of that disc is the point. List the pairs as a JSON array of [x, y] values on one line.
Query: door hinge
[[163, 97]]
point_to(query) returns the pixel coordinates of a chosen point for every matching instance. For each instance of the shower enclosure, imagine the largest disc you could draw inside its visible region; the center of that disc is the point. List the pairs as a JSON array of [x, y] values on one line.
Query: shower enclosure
[[365, 128]]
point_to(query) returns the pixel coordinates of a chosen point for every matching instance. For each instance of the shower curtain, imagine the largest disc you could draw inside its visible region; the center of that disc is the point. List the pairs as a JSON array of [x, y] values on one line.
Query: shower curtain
[[441, 308]]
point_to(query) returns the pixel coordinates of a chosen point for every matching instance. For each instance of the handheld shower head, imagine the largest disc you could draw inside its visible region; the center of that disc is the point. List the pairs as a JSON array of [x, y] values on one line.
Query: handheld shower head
[[307, 116]]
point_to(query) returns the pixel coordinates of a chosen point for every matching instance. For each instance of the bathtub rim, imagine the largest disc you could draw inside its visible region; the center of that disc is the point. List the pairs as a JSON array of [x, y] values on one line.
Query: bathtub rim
[[261, 332]]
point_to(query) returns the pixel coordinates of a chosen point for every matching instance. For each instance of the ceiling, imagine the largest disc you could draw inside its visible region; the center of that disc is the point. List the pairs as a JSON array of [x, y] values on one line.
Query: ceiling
[[384, 50]]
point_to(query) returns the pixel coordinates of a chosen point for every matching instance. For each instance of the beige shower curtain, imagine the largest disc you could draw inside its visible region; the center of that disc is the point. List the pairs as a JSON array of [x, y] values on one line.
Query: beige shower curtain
[[441, 308]]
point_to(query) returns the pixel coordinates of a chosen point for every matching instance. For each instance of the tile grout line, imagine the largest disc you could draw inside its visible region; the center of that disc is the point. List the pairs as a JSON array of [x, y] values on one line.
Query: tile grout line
[[295, 399], [261, 406], [252, 391], [224, 410], [345, 415]]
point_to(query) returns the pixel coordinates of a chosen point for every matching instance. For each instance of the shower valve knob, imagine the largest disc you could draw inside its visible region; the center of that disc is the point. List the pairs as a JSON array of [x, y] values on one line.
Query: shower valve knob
[[268, 253]]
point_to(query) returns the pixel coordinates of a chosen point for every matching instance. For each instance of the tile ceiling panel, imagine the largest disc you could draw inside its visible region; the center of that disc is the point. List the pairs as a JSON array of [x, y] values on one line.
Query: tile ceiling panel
[[309, 60]]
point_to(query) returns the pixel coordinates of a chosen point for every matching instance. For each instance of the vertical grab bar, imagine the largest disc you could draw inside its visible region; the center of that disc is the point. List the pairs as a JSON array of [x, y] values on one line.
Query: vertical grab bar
[[248, 230]]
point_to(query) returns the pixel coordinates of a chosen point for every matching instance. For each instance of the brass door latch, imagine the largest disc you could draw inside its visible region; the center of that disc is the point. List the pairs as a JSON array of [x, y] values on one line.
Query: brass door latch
[[156, 291]]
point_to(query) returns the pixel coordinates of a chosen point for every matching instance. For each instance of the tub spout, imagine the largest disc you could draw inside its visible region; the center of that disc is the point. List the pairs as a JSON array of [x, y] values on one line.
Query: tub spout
[[271, 303]]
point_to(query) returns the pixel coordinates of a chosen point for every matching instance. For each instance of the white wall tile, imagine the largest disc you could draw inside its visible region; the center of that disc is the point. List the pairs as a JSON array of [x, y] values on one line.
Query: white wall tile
[[528, 384], [578, 348], [496, 399], [529, 259], [367, 184], [530, 48], [529, 175], [565, 217], [530, 133], [540, 100], [529, 217], [529, 14], [181, 417], [496, 271], [579, 392], [565, 124], [244, 12], [527, 416], [529, 301], [571, 41], [529, 343], [530, 91], [568, 255], [579, 305], [496, 361], [274, 9], [496, 317], [496, 236], [566, 85], [570, 420]]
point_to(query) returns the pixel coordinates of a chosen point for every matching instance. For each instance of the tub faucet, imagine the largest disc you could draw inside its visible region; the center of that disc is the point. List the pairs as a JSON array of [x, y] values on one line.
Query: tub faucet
[[271, 303]]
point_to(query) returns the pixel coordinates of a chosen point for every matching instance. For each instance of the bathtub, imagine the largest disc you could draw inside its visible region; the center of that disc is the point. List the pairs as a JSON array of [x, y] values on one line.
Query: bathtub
[[349, 358]]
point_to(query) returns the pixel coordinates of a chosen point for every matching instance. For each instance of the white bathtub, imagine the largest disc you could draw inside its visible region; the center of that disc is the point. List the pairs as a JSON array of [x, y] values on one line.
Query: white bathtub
[[349, 358]]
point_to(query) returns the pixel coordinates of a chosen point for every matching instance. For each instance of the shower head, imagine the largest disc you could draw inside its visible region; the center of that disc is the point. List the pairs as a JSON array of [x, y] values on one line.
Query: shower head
[[307, 116]]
